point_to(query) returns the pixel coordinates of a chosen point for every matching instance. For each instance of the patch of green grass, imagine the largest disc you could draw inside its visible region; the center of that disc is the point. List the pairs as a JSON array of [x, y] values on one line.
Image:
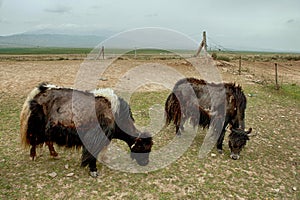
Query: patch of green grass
[[44, 50], [66, 50], [291, 90], [268, 167], [255, 56], [141, 103], [224, 58], [221, 56], [285, 93], [148, 51]]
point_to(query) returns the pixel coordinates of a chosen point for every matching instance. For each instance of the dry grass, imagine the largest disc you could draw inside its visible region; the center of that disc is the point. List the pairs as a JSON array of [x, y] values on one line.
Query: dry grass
[[269, 166]]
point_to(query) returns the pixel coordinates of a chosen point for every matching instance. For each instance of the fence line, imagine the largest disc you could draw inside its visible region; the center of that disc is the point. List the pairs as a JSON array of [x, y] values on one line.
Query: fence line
[[289, 69], [137, 55]]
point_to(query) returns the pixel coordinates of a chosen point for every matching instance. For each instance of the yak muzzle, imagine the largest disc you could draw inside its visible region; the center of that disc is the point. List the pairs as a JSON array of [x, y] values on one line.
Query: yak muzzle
[[141, 158], [234, 156]]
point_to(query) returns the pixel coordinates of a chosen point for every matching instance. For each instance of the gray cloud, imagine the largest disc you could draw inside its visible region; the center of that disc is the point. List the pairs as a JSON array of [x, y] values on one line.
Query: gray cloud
[[290, 21], [152, 15], [4, 21], [60, 9], [293, 23], [96, 7], [227, 23]]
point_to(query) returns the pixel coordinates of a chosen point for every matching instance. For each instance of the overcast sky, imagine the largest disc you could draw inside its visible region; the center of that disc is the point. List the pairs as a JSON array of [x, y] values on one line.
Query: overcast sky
[[232, 24]]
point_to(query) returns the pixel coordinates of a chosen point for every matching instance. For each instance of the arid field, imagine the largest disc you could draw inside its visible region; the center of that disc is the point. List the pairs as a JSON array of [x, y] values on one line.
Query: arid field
[[269, 166]]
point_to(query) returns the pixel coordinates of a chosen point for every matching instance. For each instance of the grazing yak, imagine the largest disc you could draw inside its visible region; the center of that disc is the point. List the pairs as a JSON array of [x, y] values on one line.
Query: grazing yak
[[199, 101], [87, 119]]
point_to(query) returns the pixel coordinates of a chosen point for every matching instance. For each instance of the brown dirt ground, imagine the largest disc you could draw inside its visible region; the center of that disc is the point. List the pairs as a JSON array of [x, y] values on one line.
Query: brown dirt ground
[[19, 76]]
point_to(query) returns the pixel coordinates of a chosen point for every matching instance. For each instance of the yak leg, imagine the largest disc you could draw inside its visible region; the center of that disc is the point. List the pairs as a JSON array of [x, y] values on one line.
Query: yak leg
[[89, 159], [51, 149], [33, 152], [178, 130], [235, 123], [220, 141], [221, 137], [102, 155], [179, 125], [184, 118]]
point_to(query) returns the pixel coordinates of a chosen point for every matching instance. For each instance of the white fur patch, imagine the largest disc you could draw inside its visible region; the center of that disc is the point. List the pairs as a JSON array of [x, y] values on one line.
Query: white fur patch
[[110, 95], [51, 86], [94, 174], [32, 94], [24, 115]]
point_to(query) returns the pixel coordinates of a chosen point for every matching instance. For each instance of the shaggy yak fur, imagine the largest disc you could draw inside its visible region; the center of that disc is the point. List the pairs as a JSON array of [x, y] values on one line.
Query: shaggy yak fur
[[199, 101], [74, 118]]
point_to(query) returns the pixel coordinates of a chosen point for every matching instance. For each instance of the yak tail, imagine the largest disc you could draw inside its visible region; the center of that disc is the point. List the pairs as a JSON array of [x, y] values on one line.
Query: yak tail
[[172, 109], [25, 115]]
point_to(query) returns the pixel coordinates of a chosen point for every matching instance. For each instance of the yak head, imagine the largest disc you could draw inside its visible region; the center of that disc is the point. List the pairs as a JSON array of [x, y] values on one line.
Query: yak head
[[141, 149], [237, 140]]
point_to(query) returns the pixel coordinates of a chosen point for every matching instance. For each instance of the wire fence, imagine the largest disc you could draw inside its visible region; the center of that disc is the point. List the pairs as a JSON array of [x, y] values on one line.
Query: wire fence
[[260, 65]]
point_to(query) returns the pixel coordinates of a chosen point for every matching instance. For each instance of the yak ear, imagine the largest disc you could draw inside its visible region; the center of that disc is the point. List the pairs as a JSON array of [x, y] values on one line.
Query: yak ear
[[135, 141], [249, 131], [231, 98], [138, 139]]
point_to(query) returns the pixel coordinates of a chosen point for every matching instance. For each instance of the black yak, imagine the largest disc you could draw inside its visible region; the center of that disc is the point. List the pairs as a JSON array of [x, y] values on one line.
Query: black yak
[[199, 100], [87, 119]]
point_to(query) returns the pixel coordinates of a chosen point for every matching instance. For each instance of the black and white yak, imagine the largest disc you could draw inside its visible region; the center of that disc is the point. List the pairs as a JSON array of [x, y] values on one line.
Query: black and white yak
[[199, 101], [87, 119]]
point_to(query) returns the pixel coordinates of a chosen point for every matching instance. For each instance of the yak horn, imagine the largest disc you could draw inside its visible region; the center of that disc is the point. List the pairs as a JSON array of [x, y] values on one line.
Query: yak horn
[[229, 129], [251, 134]]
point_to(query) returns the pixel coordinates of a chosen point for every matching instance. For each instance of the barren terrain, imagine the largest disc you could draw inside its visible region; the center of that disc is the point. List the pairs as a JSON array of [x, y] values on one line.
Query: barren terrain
[[268, 169]]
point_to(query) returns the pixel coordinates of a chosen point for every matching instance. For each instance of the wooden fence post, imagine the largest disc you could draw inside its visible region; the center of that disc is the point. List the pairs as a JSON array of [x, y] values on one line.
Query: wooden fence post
[[202, 44], [101, 53], [204, 40], [102, 50], [240, 64], [276, 77]]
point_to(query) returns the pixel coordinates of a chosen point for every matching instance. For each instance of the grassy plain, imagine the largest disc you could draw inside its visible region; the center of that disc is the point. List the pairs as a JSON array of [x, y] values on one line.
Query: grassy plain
[[269, 167]]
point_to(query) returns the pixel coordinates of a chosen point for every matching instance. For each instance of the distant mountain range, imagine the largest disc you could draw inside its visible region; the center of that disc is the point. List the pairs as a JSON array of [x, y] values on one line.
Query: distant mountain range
[[85, 38], [135, 39], [50, 40]]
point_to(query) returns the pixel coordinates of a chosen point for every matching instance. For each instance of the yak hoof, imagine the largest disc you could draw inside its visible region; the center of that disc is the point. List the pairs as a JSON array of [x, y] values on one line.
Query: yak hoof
[[234, 156], [53, 154], [94, 174], [220, 151], [55, 157], [32, 153]]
